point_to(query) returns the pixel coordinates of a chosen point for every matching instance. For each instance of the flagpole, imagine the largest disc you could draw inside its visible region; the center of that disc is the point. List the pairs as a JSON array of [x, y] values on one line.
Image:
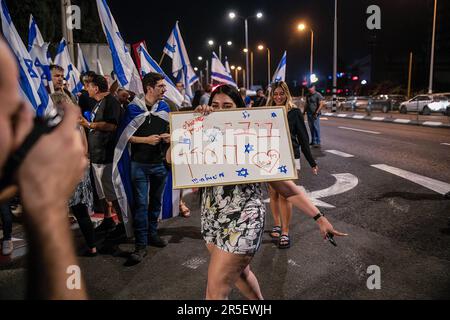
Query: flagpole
[[162, 58]]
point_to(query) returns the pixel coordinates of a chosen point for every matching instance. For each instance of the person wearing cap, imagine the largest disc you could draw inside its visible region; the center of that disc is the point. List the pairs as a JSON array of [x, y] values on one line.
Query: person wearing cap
[[313, 106]]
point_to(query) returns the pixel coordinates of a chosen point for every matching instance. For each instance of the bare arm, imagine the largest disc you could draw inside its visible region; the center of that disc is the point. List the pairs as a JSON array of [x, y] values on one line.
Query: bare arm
[[321, 105], [152, 140], [100, 126], [46, 180]]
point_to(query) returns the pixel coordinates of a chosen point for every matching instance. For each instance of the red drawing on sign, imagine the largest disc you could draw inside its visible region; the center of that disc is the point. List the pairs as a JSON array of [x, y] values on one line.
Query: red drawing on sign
[[266, 161]]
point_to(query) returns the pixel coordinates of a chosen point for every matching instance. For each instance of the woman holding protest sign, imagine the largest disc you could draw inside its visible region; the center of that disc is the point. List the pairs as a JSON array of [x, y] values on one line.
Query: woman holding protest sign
[[233, 220], [281, 208]]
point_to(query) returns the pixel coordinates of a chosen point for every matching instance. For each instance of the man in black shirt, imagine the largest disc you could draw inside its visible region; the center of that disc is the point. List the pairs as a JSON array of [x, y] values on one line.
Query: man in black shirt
[[85, 102], [148, 173], [102, 128]]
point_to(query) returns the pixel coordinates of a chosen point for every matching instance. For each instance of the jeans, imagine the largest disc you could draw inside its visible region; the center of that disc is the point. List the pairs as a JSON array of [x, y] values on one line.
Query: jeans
[[149, 181], [314, 126], [6, 216]]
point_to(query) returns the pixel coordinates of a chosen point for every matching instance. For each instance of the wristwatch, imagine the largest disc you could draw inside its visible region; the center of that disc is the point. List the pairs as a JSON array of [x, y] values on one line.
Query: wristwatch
[[318, 216]]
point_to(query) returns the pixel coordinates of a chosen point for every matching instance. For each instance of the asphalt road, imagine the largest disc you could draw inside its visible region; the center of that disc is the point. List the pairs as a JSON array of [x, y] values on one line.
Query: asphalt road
[[397, 223]]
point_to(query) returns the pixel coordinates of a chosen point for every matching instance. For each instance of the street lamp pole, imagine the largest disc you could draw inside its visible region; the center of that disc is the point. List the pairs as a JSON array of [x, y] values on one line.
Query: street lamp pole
[[247, 84], [430, 87], [268, 67], [312, 53], [220, 53], [251, 66], [335, 58]]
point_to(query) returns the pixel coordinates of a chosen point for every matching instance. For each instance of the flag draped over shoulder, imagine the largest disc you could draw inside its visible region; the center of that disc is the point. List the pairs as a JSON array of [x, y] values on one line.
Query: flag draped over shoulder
[[219, 72], [280, 73], [134, 117], [71, 73], [30, 82], [181, 66], [149, 65], [124, 67]]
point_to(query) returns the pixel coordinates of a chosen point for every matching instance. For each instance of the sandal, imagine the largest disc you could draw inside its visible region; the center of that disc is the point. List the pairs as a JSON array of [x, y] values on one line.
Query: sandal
[[276, 232], [184, 210], [284, 242]]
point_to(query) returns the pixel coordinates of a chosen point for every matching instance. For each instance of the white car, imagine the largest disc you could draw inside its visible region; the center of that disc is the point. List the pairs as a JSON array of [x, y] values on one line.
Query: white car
[[425, 104]]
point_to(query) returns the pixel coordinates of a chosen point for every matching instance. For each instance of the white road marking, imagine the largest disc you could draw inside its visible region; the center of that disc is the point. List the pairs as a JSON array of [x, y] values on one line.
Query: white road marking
[[339, 153], [445, 144], [328, 114], [435, 185], [194, 263], [293, 263], [344, 182], [358, 117], [359, 130], [432, 123], [342, 115], [377, 119], [402, 120]]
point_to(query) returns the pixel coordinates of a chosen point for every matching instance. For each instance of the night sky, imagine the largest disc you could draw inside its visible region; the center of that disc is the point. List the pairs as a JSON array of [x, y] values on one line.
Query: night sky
[[406, 25]]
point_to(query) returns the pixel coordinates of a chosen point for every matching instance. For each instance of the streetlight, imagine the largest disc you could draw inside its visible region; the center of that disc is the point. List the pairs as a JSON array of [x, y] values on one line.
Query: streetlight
[[232, 16], [211, 43], [261, 48], [302, 27], [200, 58], [430, 87], [236, 73]]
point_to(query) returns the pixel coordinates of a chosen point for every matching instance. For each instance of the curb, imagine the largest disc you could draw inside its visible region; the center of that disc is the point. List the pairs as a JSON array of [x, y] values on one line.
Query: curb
[[431, 124]]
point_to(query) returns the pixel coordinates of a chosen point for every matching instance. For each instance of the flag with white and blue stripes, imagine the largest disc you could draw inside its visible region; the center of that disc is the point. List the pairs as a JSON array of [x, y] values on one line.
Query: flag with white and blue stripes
[[148, 64], [29, 79], [124, 68], [71, 73], [280, 73]]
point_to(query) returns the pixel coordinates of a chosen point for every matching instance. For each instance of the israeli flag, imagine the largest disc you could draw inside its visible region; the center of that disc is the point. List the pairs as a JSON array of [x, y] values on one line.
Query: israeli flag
[[280, 73], [227, 65], [34, 35], [38, 50], [149, 65], [72, 75], [100, 68], [82, 64], [134, 117], [219, 73], [124, 67], [30, 82], [181, 66]]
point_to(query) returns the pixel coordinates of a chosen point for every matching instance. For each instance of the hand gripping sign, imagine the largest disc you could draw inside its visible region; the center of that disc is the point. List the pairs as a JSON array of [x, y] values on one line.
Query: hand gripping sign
[[231, 147]]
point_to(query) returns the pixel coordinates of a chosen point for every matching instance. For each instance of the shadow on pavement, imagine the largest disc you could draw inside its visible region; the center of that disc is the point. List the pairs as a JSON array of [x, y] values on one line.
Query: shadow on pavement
[[410, 196]]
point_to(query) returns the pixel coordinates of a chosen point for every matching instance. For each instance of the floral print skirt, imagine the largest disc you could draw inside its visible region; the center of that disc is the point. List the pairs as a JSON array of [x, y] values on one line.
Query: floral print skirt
[[233, 217]]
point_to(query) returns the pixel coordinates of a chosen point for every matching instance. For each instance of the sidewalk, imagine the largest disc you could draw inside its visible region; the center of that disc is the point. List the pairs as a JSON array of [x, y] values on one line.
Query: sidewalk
[[436, 121]]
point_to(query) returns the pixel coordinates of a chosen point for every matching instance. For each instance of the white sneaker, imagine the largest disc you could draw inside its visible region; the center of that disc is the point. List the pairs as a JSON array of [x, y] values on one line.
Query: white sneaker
[[7, 247]]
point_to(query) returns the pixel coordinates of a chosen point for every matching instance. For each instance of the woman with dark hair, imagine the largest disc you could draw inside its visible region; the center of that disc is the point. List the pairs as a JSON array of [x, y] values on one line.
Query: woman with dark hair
[[280, 207], [232, 219], [197, 96]]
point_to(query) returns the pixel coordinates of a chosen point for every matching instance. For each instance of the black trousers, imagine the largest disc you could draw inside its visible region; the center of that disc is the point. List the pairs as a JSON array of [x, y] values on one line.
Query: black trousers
[[81, 213]]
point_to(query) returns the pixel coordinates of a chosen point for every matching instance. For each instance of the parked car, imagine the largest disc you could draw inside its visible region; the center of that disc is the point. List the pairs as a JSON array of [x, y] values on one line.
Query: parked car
[[339, 102], [447, 95], [355, 103], [385, 102], [425, 104]]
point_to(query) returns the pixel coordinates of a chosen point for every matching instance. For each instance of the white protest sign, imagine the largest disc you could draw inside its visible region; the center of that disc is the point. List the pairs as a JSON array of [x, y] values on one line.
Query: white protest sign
[[230, 147]]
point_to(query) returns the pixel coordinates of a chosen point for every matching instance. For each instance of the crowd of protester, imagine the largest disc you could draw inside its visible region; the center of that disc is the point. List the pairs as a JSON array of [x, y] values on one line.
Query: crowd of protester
[[80, 180]]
